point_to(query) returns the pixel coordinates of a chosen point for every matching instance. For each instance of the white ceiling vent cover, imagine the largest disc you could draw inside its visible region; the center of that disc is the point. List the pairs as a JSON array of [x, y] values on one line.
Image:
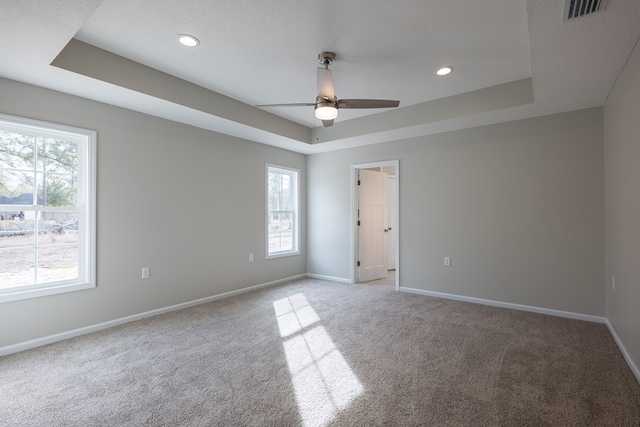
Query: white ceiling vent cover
[[578, 8]]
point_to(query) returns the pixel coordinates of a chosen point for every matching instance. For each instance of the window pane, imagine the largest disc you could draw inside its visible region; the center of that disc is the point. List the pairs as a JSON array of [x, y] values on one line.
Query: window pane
[[16, 232], [16, 151], [17, 267], [274, 190], [57, 263], [280, 232], [16, 187], [58, 227], [57, 190], [280, 192], [57, 156], [284, 202]]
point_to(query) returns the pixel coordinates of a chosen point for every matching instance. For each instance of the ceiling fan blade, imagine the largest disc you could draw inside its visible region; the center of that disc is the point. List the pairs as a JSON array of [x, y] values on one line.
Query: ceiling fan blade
[[327, 123], [325, 84], [299, 104], [367, 103]]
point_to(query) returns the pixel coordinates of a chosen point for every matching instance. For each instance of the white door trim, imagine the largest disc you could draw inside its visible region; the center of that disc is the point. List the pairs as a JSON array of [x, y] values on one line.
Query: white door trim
[[354, 213], [391, 184]]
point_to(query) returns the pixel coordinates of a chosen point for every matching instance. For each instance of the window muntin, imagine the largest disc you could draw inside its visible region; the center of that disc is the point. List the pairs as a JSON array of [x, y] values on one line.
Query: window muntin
[[282, 211], [47, 208]]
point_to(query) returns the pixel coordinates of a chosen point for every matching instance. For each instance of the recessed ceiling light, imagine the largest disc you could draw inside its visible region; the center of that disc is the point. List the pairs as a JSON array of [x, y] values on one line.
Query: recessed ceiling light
[[444, 70], [188, 40]]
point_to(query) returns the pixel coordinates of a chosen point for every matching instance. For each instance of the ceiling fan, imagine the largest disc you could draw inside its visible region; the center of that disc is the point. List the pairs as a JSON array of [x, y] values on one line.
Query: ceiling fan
[[327, 104]]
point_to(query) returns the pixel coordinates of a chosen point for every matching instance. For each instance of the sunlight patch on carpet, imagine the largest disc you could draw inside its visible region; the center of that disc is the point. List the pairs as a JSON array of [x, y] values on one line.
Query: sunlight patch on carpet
[[294, 314], [322, 379]]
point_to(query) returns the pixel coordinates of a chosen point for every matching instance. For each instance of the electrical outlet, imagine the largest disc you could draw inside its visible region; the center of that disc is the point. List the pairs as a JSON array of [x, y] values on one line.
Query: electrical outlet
[[613, 282], [145, 273], [447, 261], [250, 257]]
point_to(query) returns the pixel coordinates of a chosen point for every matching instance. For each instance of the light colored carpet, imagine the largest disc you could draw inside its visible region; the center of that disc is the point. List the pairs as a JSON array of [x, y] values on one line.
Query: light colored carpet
[[319, 353]]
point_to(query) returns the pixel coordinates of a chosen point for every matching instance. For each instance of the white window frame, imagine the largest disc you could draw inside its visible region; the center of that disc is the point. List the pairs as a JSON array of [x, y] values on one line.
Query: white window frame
[[86, 206], [295, 226]]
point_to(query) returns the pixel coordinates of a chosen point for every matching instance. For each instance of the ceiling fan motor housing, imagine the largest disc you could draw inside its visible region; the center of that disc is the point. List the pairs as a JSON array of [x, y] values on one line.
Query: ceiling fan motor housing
[[326, 102], [326, 58]]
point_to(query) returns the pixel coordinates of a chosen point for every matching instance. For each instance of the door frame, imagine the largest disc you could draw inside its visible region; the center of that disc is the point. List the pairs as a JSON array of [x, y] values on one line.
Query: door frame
[[354, 215]]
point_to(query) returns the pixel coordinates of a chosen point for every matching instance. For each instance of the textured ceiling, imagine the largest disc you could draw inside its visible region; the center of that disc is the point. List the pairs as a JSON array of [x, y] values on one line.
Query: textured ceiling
[[513, 59], [266, 52]]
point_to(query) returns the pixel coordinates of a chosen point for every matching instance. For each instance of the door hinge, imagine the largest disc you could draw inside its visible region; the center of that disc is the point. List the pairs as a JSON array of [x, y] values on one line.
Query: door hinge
[[358, 223], [358, 182], [358, 264]]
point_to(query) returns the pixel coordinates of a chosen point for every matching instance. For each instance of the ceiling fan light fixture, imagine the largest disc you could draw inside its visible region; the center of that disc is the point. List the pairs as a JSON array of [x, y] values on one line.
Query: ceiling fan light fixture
[[443, 71], [327, 103], [326, 111], [188, 40]]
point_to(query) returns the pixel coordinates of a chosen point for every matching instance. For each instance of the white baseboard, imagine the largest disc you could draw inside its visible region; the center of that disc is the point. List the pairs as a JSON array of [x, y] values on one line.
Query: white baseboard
[[540, 310], [333, 279], [624, 351], [15, 348]]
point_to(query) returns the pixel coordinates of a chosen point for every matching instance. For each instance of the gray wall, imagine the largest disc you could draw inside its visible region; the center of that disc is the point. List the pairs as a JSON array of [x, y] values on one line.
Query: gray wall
[[185, 202], [518, 206], [622, 184]]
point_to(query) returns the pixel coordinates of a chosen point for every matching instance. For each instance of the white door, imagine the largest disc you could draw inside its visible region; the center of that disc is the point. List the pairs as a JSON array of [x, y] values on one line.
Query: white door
[[391, 220], [372, 220]]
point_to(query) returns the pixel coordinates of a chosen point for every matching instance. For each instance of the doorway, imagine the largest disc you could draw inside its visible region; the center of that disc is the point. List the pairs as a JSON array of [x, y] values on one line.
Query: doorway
[[389, 226]]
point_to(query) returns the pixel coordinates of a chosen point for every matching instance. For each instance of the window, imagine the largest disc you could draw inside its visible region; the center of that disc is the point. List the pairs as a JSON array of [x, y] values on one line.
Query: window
[[282, 211], [47, 208]]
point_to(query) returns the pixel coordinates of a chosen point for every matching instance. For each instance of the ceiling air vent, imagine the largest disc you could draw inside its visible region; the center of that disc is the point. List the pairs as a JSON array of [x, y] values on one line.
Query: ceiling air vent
[[578, 8]]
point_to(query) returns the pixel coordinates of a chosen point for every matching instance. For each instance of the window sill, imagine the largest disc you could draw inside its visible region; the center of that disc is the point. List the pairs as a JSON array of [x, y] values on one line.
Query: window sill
[[283, 254], [44, 290]]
